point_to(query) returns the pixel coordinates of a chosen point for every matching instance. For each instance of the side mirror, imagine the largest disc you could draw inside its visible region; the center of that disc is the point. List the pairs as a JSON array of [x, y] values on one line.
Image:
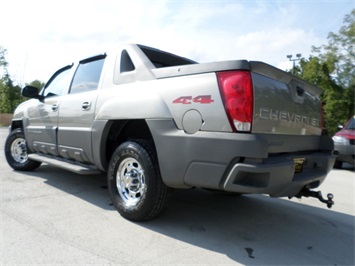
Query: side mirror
[[31, 92], [340, 127]]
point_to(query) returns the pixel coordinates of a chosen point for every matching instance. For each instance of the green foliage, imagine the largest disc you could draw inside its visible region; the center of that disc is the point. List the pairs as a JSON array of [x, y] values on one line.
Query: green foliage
[[340, 51], [332, 68], [10, 95], [37, 83], [3, 62]]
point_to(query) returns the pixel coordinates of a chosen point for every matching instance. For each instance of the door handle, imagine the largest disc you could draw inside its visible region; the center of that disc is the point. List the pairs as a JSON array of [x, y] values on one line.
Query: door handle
[[55, 107], [86, 106]]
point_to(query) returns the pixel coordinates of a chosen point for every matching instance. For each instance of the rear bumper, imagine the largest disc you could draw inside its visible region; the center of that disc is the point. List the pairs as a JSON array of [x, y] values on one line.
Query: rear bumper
[[242, 163], [277, 177]]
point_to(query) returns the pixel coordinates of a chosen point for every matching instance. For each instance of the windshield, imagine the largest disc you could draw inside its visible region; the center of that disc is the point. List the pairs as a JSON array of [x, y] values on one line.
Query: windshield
[[351, 124]]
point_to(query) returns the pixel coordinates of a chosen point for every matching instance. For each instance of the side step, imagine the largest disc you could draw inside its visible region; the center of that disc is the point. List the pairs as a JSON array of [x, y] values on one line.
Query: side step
[[64, 164]]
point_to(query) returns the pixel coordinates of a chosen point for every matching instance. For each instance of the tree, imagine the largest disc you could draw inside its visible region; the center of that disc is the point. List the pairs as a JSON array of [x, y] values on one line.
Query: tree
[[332, 68], [3, 62], [10, 95], [37, 83], [340, 52]]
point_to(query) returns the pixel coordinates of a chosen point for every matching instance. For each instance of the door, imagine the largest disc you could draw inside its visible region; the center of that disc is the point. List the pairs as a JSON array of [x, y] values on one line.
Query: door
[[41, 132], [77, 111]]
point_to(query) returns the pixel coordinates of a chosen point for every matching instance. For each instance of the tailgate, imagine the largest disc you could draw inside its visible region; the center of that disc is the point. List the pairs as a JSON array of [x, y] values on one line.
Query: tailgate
[[284, 104]]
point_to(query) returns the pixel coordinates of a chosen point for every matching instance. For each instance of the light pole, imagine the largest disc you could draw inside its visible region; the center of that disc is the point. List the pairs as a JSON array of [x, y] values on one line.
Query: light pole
[[294, 60]]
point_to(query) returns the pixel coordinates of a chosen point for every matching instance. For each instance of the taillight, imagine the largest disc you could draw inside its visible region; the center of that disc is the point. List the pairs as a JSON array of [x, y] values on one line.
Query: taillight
[[237, 94]]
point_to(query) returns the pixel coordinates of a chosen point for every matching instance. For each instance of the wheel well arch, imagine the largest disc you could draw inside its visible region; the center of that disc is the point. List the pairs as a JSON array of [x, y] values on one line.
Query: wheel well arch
[[121, 131], [15, 124]]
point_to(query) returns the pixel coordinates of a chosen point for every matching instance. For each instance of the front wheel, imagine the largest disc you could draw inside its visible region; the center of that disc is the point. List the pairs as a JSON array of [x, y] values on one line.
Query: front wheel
[[16, 152], [134, 181]]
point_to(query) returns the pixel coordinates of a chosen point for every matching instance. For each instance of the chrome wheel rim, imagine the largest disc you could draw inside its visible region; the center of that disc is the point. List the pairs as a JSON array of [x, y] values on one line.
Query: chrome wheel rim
[[130, 181], [19, 150]]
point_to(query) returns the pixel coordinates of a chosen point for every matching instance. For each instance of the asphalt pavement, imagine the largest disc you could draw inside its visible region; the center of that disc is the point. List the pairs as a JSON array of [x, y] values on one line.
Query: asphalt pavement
[[51, 216]]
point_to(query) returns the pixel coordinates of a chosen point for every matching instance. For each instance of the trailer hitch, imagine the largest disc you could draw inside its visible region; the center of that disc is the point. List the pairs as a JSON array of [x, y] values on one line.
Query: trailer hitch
[[318, 195]]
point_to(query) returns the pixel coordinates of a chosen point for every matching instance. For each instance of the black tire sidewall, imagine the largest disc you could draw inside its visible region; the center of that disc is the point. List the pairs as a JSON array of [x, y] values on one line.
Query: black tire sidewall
[[28, 165], [142, 210]]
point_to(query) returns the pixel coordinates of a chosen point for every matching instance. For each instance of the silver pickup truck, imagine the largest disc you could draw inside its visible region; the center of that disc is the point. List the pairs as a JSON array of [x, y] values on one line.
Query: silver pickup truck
[[155, 121]]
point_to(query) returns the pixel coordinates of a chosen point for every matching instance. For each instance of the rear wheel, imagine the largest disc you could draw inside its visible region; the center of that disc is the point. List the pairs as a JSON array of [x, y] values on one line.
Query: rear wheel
[[16, 152], [134, 181]]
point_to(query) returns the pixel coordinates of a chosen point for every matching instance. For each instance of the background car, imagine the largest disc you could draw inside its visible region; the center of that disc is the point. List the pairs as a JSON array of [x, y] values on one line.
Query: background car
[[344, 143]]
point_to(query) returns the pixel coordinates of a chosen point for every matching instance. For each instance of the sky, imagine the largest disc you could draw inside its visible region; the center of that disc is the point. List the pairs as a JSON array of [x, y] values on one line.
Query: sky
[[41, 36]]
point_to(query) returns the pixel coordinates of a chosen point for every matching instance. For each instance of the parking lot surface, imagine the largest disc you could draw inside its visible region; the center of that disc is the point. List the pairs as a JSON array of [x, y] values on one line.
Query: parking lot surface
[[51, 216]]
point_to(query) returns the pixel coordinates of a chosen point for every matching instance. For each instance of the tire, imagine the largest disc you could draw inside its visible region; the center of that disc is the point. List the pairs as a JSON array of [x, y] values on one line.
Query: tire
[[134, 181], [16, 152]]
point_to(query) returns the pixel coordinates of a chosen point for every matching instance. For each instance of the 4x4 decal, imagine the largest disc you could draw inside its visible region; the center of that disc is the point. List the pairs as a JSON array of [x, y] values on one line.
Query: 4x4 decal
[[203, 99]]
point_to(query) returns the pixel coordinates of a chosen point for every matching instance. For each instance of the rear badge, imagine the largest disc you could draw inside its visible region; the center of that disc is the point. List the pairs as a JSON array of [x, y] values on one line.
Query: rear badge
[[299, 162]]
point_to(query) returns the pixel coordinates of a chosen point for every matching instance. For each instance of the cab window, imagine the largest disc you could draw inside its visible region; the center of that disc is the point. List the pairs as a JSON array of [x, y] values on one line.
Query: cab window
[[58, 83], [87, 75]]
